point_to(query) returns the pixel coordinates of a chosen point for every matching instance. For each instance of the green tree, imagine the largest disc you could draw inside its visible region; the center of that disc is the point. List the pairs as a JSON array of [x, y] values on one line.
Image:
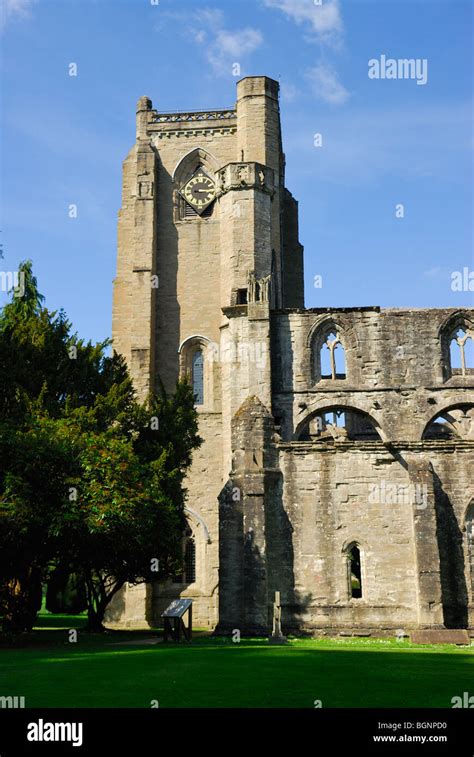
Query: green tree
[[33, 500], [128, 512], [88, 476]]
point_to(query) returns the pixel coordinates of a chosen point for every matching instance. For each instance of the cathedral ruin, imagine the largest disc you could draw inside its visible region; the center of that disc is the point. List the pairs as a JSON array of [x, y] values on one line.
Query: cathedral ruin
[[338, 445]]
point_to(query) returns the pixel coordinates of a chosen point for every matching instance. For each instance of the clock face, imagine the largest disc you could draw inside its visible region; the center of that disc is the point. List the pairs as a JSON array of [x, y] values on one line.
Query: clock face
[[199, 191]]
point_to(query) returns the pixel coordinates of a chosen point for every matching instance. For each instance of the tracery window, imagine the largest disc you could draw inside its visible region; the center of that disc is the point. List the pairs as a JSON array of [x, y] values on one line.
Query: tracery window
[[333, 362], [461, 350], [457, 346], [328, 354]]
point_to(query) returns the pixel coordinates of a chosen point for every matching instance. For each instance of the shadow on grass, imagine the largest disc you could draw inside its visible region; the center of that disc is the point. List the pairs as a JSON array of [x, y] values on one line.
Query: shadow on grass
[[215, 672]]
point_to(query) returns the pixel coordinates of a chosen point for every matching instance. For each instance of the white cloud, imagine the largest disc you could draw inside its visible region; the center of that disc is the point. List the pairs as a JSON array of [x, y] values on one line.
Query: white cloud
[[230, 47], [325, 25], [324, 20], [224, 47], [325, 84], [10, 9], [213, 18], [200, 36]]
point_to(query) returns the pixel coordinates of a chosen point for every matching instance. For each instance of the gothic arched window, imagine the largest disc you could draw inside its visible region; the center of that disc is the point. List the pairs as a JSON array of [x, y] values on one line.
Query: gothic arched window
[[457, 346], [198, 377], [354, 571], [199, 364], [328, 354], [461, 351], [333, 362], [187, 574]]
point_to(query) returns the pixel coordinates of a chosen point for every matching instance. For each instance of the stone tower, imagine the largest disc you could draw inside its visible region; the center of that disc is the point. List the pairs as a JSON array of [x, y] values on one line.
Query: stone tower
[[183, 277]]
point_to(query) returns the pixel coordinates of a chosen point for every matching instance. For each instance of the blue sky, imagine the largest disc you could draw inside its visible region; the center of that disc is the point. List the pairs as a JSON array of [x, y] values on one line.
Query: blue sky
[[384, 142]]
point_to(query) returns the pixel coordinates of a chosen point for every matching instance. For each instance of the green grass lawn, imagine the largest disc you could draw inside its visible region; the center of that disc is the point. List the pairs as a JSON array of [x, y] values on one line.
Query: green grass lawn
[[98, 672]]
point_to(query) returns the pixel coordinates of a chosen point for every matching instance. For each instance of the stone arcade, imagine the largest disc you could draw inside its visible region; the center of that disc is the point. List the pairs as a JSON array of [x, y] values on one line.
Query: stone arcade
[[304, 412]]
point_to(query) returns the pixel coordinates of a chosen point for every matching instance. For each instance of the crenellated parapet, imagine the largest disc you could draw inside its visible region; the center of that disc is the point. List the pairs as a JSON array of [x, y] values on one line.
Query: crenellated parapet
[[192, 116], [152, 123]]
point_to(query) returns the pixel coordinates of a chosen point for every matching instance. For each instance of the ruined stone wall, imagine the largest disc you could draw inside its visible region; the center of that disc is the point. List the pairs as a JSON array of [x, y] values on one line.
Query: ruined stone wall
[[453, 469], [399, 497], [411, 538], [306, 492], [395, 368], [414, 553]]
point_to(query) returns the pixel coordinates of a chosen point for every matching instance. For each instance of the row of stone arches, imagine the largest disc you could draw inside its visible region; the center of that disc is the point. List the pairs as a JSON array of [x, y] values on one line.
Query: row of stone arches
[[339, 422]]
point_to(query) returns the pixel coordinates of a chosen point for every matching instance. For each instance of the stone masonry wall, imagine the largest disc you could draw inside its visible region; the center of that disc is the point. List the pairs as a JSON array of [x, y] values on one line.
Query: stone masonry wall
[[199, 263], [272, 506], [414, 555], [394, 368], [405, 540]]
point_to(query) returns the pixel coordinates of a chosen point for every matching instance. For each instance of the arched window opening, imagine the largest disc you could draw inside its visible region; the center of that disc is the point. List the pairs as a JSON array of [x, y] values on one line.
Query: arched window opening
[[190, 561], [457, 346], [440, 428], [187, 572], [337, 423], [470, 545], [198, 363], [354, 572], [198, 377], [332, 357], [455, 423], [461, 352]]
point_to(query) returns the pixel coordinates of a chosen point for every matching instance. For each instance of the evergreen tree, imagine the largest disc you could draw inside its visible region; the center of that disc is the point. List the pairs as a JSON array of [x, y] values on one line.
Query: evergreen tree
[[88, 476]]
